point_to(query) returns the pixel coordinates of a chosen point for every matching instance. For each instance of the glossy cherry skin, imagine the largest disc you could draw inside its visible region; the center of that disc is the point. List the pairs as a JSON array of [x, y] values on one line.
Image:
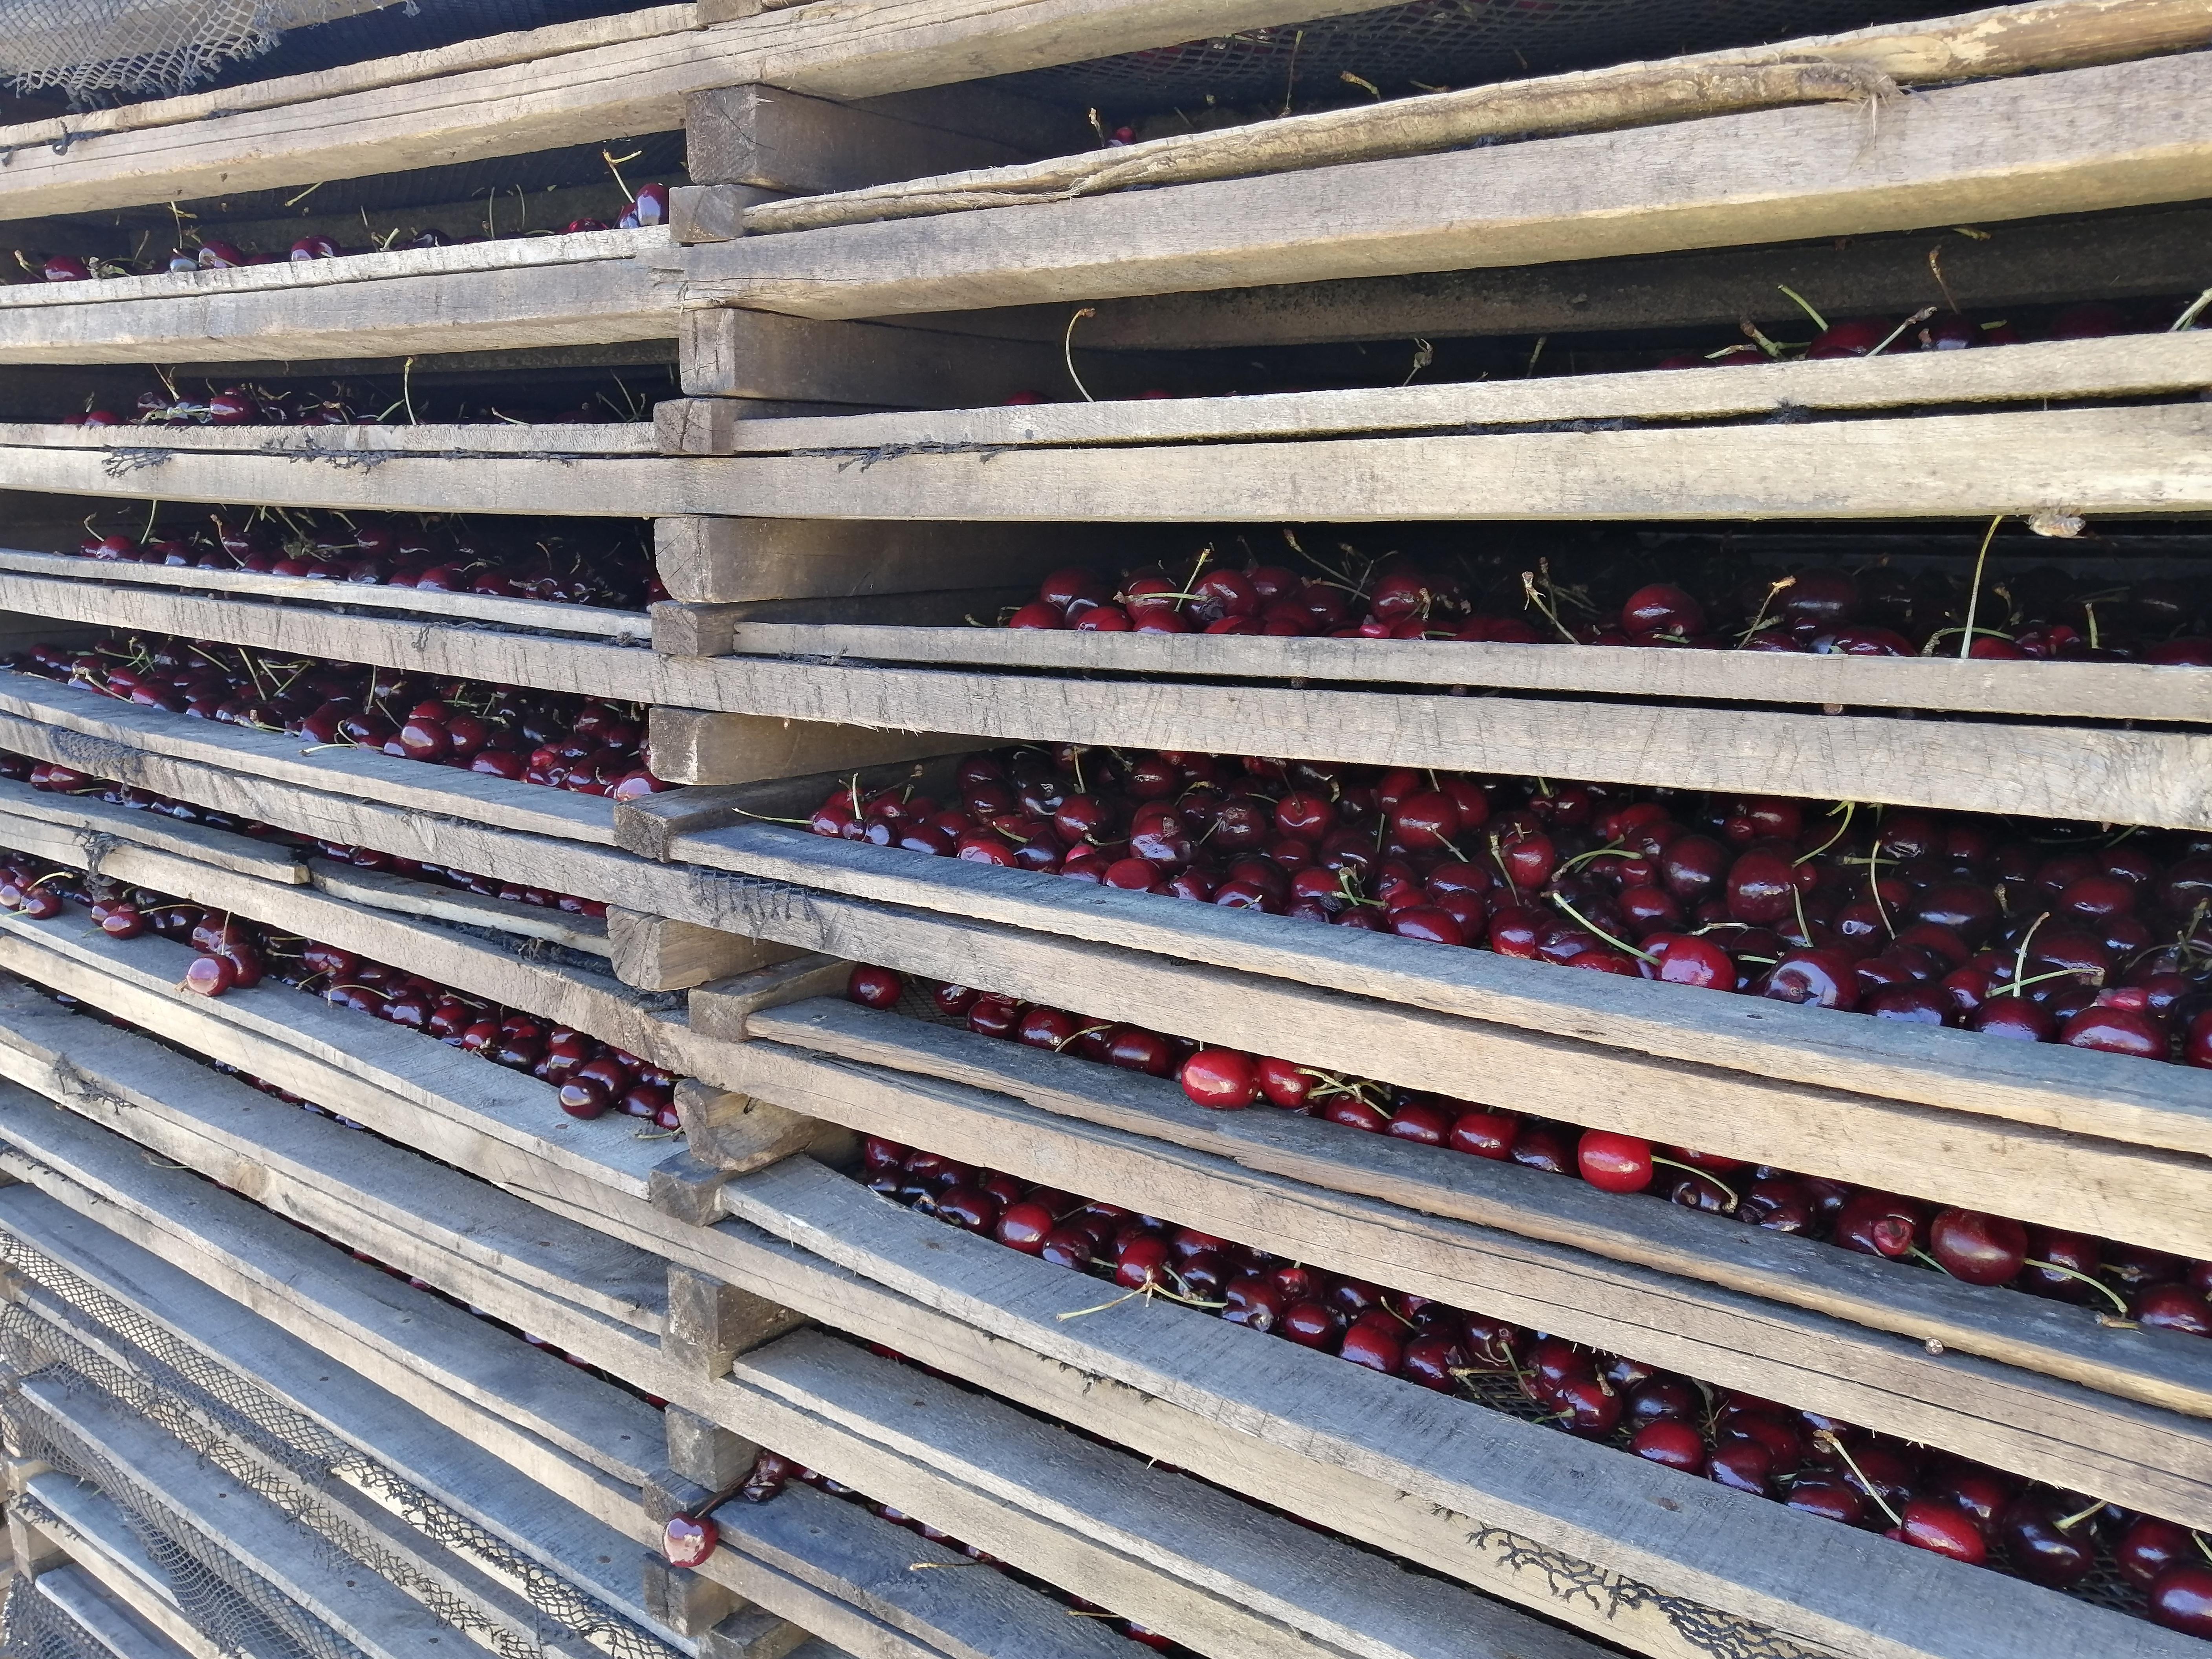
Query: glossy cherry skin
[[1222, 1080], [2148, 1548], [1830, 1498], [2174, 1308], [1978, 1249], [1673, 1442], [2041, 1550], [1938, 1525], [209, 976], [688, 1541], [2181, 1598], [1613, 1162]]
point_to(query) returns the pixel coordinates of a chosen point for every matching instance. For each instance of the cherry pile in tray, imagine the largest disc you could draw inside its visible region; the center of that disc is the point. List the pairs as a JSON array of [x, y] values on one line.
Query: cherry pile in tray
[[2036, 933], [2135, 1285], [590, 1078], [1814, 1464], [1681, 601], [649, 207], [440, 555], [566, 742]]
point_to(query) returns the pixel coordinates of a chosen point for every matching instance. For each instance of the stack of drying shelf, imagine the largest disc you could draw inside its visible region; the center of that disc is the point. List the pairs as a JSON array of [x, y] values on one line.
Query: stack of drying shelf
[[817, 558]]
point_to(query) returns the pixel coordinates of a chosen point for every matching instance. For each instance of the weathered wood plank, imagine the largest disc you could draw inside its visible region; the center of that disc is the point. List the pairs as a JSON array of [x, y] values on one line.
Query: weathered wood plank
[[95, 824], [464, 298], [2096, 1186], [1504, 1481], [2123, 366], [632, 78], [690, 746], [736, 560], [405, 1435], [380, 890], [775, 139], [622, 627], [375, 1614], [656, 953], [1214, 1573], [92, 1532], [106, 1621], [2034, 1334], [1638, 1304], [2120, 136], [726, 354], [514, 1396], [2134, 460], [2118, 256]]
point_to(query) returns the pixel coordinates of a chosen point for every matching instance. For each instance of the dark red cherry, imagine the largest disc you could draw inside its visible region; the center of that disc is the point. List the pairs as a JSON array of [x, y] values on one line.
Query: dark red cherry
[[1673, 1442], [1978, 1248], [1223, 1079], [688, 1541], [875, 987], [2040, 1545], [2181, 1598], [1941, 1526]]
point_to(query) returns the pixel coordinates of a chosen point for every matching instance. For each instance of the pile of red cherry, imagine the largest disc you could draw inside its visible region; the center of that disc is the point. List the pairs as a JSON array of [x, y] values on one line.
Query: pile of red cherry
[[1712, 603], [1814, 1464], [690, 1538], [547, 737], [2098, 942], [502, 559], [2145, 1287], [591, 1078], [1936, 329], [239, 404], [650, 207]]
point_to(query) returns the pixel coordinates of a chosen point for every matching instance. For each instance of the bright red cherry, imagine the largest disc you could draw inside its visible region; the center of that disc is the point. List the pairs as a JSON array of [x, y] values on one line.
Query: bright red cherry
[[688, 1541], [1223, 1079]]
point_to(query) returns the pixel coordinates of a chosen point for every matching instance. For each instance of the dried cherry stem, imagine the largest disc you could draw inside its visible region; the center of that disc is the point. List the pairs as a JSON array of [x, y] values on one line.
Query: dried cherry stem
[[1068, 351], [1913, 321], [2094, 1284], [803, 823], [1060, 1047], [1758, 620], [1829, 1439], [1529, 589], [2019, 958], [1974, 592], [1619, 945], [2073, 1521]]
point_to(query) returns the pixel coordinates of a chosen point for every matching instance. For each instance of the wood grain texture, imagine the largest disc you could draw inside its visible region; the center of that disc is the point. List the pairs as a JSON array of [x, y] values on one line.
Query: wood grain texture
[[2101, 1187], [483, 296], [2136, 461], [2069, 1434], [1495, 1474], [402, 1435], [2121, 136], [2125, 365], [2123, 255], [690, 746], [2051, 1338], [579, 86], [726, 354], [654, 953], [740, 559], [621, 627], [780, 140]]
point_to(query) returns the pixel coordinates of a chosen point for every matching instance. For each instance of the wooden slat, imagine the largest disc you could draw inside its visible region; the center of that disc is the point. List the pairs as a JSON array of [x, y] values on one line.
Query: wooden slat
[[585, 290], [2099, 1187], [1835, 1590], [375, 1614], [106, 1620], [654, 953], [515, 1398], [2100, 773], [96, 723], [93, 824], [2140, 460], [125, 448], [94, 1533], [2044, 1084], [732, 354], [2117, 256], [429, 110], [380, 890], [2123, 366], [775, 139], [401, 1434], [622, 627], [2053, 1338], [2121, 135], [1638, 1303], [736, 560]]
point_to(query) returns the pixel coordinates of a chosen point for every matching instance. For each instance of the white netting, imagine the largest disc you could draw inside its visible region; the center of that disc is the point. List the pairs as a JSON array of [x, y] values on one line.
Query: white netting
[[139, 46]]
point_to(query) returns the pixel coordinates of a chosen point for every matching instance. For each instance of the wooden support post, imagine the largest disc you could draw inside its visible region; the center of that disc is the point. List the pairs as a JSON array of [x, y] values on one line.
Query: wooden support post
[[657, 953], [711, 630], [703, 1450], [730, 1133], [692, 745], [686, 1190], [665, 1493], [728, 353], [31, 1551], [713, 213], [681, 1598], [715, 560], [720, 1010], [779, 140], [710, 1323], [755, 1633]]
